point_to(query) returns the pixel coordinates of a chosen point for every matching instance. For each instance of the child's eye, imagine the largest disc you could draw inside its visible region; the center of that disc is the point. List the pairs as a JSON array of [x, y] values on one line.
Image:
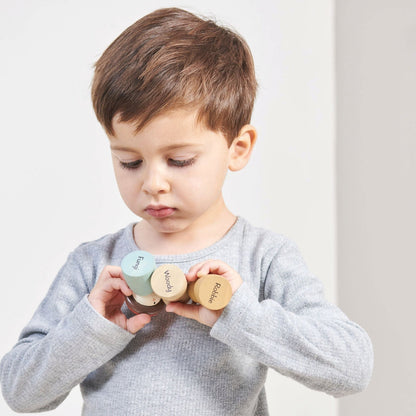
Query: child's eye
[[182, 163], [131, 165]]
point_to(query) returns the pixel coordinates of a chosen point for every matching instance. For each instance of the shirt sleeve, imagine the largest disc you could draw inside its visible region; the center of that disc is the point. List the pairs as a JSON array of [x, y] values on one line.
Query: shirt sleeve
[[295, 331], [65, 340]]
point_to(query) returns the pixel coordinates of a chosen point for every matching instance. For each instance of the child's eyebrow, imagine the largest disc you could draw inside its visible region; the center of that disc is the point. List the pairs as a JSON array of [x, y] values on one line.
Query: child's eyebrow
[[179, 146], [121, 148], [163, 148]]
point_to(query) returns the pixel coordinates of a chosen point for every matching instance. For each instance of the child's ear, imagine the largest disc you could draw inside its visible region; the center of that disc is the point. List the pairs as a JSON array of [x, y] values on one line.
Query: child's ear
[[241, 147]]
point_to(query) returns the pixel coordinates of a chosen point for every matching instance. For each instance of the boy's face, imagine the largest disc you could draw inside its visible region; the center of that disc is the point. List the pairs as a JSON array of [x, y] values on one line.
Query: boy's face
[[172, 171]]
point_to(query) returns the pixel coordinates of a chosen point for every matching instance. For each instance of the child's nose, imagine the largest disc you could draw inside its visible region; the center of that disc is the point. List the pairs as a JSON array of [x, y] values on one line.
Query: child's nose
[[155, 181]]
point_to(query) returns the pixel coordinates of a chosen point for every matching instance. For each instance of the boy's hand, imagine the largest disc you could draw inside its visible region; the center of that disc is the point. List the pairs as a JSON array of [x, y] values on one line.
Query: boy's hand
[[107, 297], [198, 312]]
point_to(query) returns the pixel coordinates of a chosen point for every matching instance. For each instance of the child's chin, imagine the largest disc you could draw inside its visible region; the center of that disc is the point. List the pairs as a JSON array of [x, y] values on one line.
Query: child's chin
[[167, 225]]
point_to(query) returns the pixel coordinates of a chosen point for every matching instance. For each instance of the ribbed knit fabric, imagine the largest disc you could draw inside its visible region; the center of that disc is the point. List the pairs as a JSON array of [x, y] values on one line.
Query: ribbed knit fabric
[[278, 318]]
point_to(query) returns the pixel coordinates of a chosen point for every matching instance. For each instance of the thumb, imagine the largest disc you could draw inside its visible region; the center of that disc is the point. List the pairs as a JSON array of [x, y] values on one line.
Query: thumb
[[197, 312], [186, 310], [137, 322]]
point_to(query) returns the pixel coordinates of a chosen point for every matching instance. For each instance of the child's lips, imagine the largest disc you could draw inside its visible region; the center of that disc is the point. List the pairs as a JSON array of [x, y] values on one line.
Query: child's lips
[[159, 211]]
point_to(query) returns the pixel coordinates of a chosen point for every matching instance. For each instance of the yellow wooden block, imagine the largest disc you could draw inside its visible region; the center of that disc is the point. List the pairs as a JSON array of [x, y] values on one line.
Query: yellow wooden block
[[212, 291]]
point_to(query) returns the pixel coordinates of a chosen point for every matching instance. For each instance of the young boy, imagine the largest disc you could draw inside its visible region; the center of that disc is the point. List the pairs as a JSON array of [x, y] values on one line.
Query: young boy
[[174, 94]]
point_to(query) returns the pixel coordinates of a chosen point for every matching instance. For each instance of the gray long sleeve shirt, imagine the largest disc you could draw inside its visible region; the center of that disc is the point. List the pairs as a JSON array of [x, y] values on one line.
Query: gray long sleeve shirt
[[278, 318]]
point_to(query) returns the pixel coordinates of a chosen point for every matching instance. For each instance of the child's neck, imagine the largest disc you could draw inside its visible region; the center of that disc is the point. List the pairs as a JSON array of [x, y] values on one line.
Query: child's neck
[[193, 238]]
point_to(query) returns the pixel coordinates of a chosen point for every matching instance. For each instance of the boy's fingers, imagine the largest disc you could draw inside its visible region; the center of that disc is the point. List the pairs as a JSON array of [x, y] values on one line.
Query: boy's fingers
[[121, 285], [109, 286], [106, 290], [200, 269], [215, 267], [114, 271], [193, 272], [209, 267], [111, 278], [137, 322], [111, 272]]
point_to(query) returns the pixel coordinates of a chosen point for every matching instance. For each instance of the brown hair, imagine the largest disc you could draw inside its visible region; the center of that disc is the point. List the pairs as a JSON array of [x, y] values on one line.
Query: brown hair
[[173, 59]]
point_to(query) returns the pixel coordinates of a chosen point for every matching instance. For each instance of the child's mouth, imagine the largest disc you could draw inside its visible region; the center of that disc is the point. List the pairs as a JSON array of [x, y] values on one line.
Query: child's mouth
[[159, 211]]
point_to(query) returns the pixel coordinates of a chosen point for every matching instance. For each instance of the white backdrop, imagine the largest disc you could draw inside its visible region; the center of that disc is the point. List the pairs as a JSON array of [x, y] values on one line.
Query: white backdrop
[[376, 170], [56, 177]]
